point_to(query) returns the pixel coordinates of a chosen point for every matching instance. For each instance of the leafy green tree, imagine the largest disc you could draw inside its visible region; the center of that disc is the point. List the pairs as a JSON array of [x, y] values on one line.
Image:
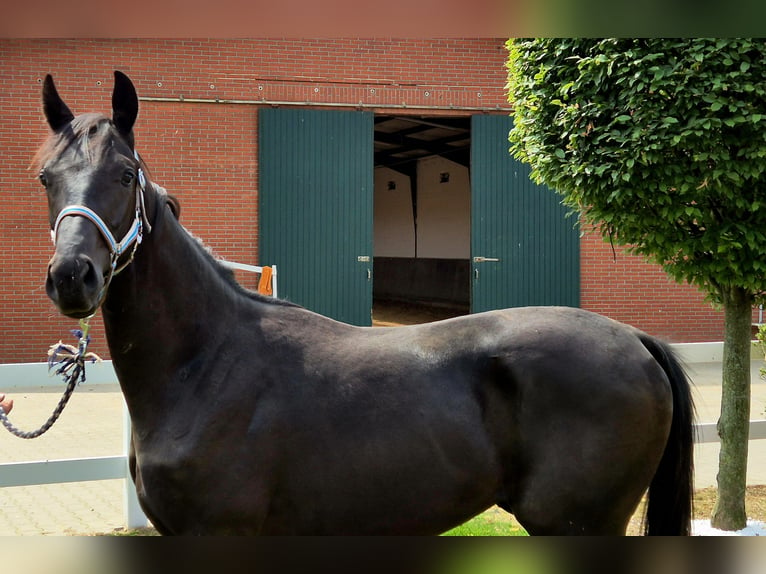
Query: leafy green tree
[[661, 145]]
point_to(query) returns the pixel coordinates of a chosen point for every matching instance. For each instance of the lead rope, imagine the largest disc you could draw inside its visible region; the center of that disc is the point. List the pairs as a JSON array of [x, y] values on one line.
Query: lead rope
[[69, 362], [69, 359]]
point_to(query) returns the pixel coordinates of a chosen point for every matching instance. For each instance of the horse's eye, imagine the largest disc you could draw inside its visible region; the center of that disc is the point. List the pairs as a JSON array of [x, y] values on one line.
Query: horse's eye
[[43, 179], [127, 178]]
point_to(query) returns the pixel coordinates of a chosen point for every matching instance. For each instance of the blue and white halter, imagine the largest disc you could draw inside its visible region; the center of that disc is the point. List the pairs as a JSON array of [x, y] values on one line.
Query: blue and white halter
[[133, 237]]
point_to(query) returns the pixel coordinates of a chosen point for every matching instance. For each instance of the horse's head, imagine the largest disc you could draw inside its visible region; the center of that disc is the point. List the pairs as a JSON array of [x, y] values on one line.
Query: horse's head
[[92, 177]]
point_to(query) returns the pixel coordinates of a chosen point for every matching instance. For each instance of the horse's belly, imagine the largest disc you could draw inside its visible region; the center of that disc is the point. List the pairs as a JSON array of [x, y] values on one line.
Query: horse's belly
[[426, 497], [421, 488], [416, 467]]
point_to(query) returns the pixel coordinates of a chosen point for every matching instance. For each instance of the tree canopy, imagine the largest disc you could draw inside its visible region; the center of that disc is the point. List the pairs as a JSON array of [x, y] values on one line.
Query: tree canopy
[[661, 144]]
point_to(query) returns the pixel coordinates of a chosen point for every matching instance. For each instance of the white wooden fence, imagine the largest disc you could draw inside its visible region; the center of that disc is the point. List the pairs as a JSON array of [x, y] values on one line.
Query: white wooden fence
[[116, 467], [38, 472]]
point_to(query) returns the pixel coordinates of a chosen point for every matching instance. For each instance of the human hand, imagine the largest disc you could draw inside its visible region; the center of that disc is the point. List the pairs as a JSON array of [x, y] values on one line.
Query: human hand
[[6, 403]]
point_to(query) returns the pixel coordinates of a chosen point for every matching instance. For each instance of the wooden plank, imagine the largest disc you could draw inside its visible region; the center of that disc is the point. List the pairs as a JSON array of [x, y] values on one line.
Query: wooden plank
[[254, 269], [65, 470], [707, 432], [757, 430], [14, 375], [240, 266]]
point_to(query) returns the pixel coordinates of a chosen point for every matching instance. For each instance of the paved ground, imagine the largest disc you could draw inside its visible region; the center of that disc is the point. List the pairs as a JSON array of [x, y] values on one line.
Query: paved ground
[[92, 426]]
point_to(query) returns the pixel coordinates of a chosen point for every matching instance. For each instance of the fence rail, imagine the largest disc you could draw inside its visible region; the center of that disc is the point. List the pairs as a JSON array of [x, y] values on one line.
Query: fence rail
[[708, 432], [33, 473]]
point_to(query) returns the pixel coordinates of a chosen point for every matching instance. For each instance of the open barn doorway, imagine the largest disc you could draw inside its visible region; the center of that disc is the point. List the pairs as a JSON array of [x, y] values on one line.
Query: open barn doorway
[[422, 218]]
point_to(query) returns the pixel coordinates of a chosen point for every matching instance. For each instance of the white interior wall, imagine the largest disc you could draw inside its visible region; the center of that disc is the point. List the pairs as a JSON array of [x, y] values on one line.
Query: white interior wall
[[393, 227], [444, 210]]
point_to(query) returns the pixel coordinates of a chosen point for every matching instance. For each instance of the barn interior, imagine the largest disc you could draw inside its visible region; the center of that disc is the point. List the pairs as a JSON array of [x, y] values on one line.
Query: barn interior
[[422, 212]]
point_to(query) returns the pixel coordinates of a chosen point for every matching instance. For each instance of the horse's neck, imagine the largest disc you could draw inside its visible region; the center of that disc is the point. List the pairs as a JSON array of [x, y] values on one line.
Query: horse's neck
[[164, 310]]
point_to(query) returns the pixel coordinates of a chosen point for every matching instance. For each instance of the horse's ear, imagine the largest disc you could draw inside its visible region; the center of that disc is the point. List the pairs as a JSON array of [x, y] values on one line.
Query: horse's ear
[[124, 104], [56, 111], [174, 205]]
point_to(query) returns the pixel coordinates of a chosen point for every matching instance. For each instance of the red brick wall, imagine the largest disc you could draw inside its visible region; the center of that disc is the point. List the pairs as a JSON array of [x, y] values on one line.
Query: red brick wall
[[206, 153], [628, 289]]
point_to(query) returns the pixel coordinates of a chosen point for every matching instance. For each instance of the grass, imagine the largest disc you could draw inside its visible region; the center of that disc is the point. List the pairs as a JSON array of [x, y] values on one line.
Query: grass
[[493, 522], [145, 531], [497, 522]]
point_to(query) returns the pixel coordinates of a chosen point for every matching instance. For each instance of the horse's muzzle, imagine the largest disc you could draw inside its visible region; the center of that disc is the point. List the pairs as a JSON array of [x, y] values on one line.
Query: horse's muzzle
[[74, 285]]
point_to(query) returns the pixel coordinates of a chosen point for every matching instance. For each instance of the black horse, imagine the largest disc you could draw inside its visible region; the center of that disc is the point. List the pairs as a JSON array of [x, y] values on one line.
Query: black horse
[[256, 416]]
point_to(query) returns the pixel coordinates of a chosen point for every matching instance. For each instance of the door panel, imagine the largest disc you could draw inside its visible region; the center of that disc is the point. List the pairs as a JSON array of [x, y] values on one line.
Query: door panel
[[524, 247], [315, 208]]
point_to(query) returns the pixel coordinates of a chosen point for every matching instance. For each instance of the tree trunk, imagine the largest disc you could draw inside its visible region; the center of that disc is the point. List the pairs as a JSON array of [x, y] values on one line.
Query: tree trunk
[[734, 424]]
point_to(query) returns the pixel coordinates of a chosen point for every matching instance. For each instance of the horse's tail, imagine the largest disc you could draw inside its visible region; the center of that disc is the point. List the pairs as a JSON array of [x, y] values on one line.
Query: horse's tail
[[669, 505]]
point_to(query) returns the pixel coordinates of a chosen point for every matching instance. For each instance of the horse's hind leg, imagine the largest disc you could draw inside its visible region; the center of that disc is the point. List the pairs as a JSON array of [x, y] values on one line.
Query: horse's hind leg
[[563, 526], [550, 507], [553, 522]]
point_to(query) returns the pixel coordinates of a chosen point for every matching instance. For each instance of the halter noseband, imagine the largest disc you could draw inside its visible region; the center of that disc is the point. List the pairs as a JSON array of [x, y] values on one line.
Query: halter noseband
[[133, 237]]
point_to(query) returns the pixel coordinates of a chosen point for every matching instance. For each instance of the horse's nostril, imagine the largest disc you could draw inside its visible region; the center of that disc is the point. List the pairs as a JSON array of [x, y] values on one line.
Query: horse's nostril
[[89, 274]]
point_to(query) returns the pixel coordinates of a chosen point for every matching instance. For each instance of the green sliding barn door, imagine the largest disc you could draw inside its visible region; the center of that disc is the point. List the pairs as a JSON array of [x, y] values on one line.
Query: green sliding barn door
[[524, 249], [315, 208]]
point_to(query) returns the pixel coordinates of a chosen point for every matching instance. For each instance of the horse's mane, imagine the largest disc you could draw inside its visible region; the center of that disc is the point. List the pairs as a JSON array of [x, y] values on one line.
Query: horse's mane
[[224, 273], [228, 277]]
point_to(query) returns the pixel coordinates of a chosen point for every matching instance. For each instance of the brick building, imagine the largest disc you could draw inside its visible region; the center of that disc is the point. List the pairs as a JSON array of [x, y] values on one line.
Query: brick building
[[199, 129]]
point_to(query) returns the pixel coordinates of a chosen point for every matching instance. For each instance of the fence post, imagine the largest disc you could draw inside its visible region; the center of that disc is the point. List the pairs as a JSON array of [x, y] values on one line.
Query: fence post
[[134, 516]]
